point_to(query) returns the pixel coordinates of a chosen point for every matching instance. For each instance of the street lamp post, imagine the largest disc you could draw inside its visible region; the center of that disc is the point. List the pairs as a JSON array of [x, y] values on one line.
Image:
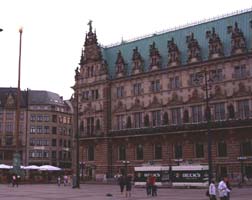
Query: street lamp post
[[126, 163], [16, 155], [206, 87], [77, 184]]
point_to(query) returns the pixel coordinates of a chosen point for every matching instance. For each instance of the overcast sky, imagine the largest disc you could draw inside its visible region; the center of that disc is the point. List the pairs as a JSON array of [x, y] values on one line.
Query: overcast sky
[[54, 32]]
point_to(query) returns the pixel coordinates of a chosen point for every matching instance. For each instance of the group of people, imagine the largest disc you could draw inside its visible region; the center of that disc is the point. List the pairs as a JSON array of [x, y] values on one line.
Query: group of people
[[125, 182], [66, 180], [224, 189], [151, 188]]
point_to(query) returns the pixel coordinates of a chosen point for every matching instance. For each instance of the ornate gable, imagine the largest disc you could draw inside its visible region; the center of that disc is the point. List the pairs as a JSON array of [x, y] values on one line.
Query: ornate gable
[[173, 53], [175, 99], [238, 44], [242, 91], [119, 107], [10, 101], [137, 62], [155, 58], [195, 97], [218, 93], [193, 49], [155, 103], [215, 46], [136, 106], [120, 65]]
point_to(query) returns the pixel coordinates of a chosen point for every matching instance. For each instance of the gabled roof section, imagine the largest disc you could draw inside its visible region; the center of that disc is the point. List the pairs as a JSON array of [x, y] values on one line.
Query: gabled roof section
[[199, 29]]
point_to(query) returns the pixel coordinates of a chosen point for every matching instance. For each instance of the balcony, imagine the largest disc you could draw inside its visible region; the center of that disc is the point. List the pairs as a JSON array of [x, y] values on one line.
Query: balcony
[[182, 128]]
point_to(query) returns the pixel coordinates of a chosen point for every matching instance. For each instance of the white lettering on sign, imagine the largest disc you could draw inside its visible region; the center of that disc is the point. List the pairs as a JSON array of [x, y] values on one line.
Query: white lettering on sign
[[191, 175]]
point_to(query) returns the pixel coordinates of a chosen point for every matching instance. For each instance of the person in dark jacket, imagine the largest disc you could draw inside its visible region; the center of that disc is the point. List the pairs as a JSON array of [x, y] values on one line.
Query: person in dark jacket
[[128, 185], [121, 182]]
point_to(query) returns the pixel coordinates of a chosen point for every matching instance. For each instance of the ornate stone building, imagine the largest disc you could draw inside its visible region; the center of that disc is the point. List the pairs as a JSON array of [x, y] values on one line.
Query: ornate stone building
[[46, 128], [144, 101]]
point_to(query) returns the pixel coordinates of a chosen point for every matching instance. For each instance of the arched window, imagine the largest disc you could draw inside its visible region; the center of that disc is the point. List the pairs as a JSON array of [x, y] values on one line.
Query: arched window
[[139, 152]]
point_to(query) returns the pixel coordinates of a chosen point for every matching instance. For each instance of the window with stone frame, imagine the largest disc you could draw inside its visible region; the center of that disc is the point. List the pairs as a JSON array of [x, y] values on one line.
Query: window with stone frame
[[243, 109], [240, 72], [222, 149], [195, 80], [156, 118], [199, 150], [137, 89], [174, 82], [54, 155], [120, 92], [176, 118], [90, 153], [8, 140], [120, 122], [90, 126], [137, 119], [9, 116], [216, 75], [219, 111], [158, 151], [178, 151], [197, 114], [155, 86], [9, 127], [122, 152], [139, 152], [246, 148]]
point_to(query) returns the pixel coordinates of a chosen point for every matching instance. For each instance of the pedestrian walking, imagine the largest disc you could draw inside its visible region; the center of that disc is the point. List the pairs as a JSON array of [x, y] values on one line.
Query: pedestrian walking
[[65, 180], [153, 185], [58, 181], [128, 185], [148, 186], [121, 182], [223, 189], [14, 180], [212, 191]]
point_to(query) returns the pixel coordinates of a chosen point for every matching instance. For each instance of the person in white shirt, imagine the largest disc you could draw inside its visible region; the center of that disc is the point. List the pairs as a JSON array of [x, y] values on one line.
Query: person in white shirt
[[212, 191], [223, 189]]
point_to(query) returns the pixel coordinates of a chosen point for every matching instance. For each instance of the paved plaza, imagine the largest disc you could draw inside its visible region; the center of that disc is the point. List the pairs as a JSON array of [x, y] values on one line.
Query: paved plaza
[[98, 192]]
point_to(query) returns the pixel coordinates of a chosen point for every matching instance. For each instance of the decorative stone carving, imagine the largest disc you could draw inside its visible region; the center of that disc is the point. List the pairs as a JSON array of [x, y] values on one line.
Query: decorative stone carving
[[195, 97], [104, 68], [175, 99], [137, 62], [193, 49], [136, 106], [155, 103], [218, 93], [173, 53], [10, 101], [155, 58], [119, 107], [238, 43], [242, 91], [214, 44], [120, 65], [77, 73]]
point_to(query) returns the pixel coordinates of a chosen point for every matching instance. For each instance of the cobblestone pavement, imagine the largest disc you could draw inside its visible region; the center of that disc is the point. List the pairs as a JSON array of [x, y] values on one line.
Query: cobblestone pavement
[[98, 192]]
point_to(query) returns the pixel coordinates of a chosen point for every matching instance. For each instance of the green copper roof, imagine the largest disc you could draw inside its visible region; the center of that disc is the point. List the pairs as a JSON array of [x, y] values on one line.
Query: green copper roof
[[179, 35]]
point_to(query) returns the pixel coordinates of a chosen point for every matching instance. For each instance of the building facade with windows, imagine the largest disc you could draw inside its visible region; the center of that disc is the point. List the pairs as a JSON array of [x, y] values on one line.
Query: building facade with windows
[[144, 101], [46, 128]]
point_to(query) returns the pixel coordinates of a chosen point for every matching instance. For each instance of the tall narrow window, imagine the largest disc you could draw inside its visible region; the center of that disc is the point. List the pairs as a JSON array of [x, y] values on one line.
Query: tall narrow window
[[155, 86], [174, 82], [178, 151], [240, 72], [219, 111], [137, 89], [156, 118], [243, 109], [158, 151], [119, 91], [139, 152], [119, 122], [137, 119], [196, 114], [122, 152], [222, 149], [176, 116], [199, 149], [246, 148], [90, 152]]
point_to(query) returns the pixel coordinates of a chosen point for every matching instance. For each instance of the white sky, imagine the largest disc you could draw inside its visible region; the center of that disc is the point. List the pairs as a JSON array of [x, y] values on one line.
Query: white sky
[[54, 32]]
